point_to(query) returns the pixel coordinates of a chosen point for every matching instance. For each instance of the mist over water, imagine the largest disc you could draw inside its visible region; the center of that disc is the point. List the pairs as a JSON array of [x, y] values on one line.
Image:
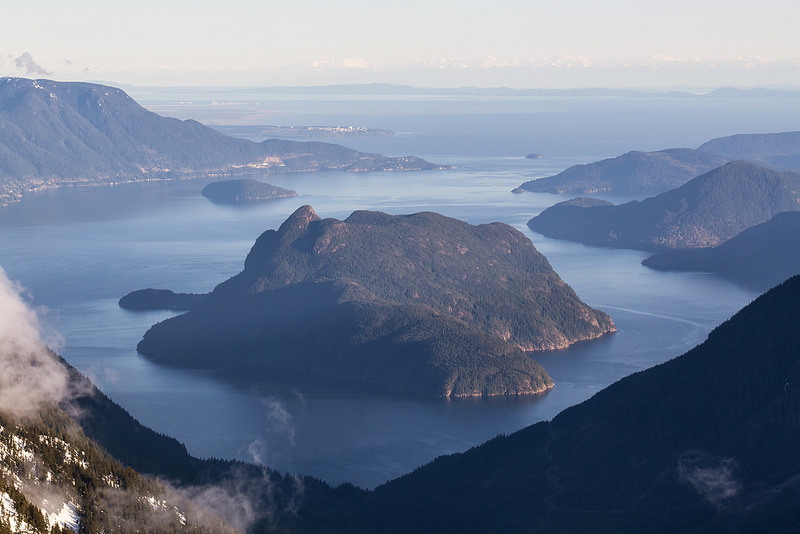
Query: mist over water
[[77, 251]]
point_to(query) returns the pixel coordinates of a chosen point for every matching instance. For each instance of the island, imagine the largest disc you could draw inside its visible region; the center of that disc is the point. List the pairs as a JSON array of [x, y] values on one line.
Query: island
[[245, 190], [705, 212], [638, 174], [160, 299], [634, 173], [417, 304]]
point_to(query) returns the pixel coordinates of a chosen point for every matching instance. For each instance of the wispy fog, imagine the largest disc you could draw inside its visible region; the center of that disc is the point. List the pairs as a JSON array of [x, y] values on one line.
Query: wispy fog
[[30, 374], [712, 478]]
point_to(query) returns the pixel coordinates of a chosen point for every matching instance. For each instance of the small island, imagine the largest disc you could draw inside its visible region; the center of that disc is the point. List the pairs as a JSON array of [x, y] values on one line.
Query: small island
[[160, 299], [534, 155], [245, 190]]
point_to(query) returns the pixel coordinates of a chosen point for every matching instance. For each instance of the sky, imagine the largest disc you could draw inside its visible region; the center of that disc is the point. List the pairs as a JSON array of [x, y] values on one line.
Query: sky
[[429, 43]]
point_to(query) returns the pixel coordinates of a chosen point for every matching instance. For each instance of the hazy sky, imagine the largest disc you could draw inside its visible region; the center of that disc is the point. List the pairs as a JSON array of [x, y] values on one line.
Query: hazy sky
[[517, 43]]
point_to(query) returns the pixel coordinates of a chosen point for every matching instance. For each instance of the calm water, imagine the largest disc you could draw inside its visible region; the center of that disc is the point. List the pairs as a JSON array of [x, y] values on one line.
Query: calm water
[[78, 251]]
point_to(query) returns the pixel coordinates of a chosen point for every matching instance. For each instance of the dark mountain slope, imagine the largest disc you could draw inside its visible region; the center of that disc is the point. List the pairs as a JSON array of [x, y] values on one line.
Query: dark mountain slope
[[91, 461], [634, 173], [761, 256], [704, 212], [418, 303], [707, 442], [59, 133]]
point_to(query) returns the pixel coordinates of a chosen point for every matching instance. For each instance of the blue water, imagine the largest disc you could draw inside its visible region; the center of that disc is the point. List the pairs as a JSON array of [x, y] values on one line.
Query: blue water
[[77, 251]]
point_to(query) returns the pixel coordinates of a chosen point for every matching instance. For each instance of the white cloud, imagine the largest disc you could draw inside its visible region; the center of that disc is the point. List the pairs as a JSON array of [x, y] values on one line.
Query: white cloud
[[342, 63], [712, 478], [26, 61], [30, 374]]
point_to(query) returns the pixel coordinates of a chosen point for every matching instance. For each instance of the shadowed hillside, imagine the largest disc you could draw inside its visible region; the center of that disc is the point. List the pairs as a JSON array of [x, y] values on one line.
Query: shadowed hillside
[[761, 256], [707, 442]]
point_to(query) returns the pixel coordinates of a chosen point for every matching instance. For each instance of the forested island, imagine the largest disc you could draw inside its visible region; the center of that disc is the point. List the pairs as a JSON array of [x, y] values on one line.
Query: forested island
[[419, 304], [639, 173], [160, 299], [244, 191], [704, 212]]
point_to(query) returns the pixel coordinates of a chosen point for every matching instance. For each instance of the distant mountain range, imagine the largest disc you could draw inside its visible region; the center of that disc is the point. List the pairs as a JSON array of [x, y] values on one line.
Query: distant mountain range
[[59, 133], [704, 212], [419, 304], [777, 150], [761, 256], [649, 173]]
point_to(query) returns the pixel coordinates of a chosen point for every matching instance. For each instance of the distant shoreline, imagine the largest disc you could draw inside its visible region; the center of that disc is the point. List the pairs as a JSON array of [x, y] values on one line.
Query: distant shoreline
[[302, 132]]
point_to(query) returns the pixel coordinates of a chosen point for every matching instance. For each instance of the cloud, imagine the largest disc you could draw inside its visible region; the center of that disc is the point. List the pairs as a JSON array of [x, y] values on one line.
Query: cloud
[[280, 426], [343, 63], [30, 374], [244, 497], [26, 61], [712, 478]]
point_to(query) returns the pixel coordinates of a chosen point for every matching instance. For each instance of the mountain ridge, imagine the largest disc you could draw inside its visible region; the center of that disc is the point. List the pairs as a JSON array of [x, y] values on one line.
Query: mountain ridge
[[761, 256], [73, 133]]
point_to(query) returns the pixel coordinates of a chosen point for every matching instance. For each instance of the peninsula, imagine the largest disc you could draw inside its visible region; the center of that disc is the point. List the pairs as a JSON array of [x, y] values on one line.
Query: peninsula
[[56, 134]]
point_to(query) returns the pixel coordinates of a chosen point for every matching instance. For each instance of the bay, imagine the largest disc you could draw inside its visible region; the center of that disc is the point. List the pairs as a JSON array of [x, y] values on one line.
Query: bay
[[77, 251]]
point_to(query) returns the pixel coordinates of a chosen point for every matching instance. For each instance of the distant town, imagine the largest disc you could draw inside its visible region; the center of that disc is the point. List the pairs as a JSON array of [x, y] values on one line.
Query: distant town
[[324, 131]]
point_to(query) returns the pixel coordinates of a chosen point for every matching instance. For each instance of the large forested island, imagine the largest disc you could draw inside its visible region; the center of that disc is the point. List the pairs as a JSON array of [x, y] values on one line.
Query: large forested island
[[704, 212], [56, 134], [419, 304]]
